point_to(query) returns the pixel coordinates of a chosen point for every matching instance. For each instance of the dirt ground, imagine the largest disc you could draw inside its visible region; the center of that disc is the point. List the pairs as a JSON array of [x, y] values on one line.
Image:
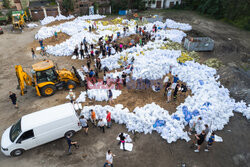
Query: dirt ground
[[149, 150]]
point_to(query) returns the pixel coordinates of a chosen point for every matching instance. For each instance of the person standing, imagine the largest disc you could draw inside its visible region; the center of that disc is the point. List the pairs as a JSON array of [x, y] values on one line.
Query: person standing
[[76, 52], [176, 91], [88, 63], [109, 159], [110, 97], [167, 85], [184, 89], [84, 124], [200, 139], [169, 94], [71, 96], [70, 143], [89, 28], [124, 76], [108, 118], [93, 117], [41, 42], [122, 140], [104, 79], [86, 48], [101, 125], [81, 51], [207, 129], [33, 53], [13, 99], [210, 142], [84, 40], [55, 35]]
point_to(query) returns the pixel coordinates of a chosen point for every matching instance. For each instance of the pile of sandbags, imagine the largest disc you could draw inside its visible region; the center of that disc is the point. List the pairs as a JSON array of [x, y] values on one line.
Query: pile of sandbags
[[176, 25], [50, 19], [141, 120], [102, 94]]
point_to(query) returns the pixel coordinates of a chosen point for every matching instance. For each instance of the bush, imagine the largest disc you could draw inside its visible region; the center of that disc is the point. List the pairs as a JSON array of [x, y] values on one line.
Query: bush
[[6, 4]]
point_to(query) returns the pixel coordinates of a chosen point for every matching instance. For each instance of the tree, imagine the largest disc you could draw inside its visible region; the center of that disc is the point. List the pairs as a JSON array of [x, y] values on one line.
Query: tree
[[119, 5], [68, 5], [138, 4], [6, 4]]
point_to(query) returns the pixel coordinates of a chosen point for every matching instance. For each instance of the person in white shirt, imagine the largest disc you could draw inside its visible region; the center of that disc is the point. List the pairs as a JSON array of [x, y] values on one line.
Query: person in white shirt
[[85, 69], [109, 159], [104, 79], [101, 125], [72, 96]]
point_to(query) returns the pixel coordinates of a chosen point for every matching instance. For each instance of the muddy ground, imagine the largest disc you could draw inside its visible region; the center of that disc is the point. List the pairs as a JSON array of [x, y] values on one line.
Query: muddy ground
[[149, 150]]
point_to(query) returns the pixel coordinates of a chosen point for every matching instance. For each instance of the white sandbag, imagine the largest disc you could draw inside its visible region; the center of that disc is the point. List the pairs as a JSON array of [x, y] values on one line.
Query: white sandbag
[[218, 138], [128, 146], [32, 25], [81, 98]]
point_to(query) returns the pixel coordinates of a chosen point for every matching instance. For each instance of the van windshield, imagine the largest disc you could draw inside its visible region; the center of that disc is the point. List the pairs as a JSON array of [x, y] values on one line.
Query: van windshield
[[15, 131]]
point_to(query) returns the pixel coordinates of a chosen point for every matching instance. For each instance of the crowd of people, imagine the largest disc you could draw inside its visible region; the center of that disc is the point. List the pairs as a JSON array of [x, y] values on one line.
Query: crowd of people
[[108, 46], [201, 134]]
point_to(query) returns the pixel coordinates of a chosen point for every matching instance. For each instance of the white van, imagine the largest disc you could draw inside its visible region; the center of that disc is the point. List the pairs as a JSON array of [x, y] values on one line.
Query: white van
[[39, 128]]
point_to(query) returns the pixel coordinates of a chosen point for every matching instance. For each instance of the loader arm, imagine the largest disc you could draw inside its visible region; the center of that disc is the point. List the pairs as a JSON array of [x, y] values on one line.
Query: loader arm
[[22, 78]]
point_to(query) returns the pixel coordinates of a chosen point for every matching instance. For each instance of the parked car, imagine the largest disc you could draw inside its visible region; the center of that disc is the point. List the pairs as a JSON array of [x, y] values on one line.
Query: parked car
[[39, 128], [1, 30]]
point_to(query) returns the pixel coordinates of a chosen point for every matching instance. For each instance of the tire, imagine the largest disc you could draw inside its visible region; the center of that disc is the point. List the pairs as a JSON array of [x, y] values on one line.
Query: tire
[[17, 152], [48, 90], [69, 133], [71, 84]]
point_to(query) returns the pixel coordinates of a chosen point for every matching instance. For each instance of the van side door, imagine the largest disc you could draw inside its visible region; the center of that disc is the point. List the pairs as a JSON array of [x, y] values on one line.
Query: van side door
[[27, 140]]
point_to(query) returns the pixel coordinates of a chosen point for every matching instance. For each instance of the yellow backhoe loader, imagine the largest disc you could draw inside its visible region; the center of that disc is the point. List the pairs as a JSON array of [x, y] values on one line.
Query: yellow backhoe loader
[[18, 19], [47, 79]]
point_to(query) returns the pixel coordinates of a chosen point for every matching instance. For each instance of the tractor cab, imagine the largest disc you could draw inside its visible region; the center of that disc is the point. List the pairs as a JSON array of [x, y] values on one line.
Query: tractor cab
[[45, 72]]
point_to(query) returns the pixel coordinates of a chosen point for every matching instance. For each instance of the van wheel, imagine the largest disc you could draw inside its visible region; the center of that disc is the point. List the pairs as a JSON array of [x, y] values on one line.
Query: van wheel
[[17, 152], [69, 133]]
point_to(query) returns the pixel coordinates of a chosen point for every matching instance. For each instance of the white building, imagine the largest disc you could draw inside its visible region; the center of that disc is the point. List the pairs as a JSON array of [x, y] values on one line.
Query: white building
[[162, 3]]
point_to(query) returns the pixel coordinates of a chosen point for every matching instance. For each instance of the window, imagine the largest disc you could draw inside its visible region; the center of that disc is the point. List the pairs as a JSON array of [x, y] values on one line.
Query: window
[[47, 75], [15, 131], [26, 135]]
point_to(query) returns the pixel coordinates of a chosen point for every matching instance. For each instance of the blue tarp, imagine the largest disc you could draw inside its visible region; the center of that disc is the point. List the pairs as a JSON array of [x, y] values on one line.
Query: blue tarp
[[122, 12], [176, 117], [207, 104], [201, 82], [159, 123], [188, 115]]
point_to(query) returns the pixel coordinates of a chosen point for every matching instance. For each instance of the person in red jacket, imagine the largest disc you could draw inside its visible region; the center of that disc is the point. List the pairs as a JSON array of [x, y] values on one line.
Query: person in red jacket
[[108, 118]]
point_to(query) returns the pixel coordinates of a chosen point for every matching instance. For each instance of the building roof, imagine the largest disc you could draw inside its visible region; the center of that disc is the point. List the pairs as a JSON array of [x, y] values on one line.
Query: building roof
[[43, 65], [46, 116], [37, 3]]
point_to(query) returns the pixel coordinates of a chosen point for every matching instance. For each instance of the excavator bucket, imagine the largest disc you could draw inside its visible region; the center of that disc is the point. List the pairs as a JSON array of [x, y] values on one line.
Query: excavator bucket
[[22, 78]]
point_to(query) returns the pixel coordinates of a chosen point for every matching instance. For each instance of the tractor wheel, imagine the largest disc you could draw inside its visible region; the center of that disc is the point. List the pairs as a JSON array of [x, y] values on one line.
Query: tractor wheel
[[48, 90], [71, 84]]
